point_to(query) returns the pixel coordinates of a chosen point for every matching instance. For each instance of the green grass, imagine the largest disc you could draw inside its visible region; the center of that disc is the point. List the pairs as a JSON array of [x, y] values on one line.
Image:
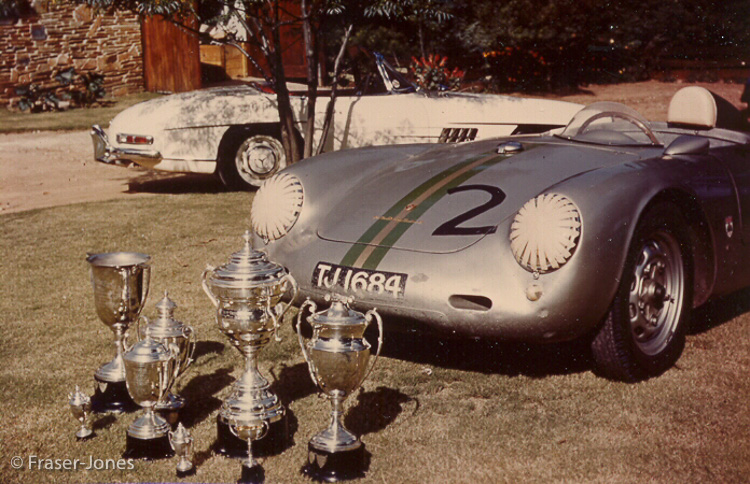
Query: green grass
[[79, 118], [432, 411]]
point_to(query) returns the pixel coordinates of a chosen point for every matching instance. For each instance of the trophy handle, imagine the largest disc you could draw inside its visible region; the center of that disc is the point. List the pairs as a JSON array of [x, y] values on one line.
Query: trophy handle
[[138, 327], [295, 292], [368, 316], [169, 376], [204, 282], [187, 360], [310, 364]]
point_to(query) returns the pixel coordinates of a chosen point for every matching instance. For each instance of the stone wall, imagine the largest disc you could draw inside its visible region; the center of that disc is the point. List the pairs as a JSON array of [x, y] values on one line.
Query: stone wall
[[34, 49]]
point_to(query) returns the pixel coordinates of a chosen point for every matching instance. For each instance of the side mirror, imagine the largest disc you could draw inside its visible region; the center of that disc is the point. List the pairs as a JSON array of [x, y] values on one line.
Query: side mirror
[[687, 145]]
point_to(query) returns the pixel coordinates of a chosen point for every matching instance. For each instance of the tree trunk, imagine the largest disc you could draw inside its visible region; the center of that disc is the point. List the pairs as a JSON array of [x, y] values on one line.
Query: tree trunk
[[311, 49], [289, 138], [328, 120]]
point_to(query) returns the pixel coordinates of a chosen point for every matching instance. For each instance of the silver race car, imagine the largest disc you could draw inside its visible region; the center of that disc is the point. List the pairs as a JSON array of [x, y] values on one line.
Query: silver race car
[[612, 228]]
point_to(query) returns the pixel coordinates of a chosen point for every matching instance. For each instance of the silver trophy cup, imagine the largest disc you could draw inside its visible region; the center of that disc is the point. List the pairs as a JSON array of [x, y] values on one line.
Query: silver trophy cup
[[167, 330], [121, 282], [247, 293], [337, 356], [150, 370]]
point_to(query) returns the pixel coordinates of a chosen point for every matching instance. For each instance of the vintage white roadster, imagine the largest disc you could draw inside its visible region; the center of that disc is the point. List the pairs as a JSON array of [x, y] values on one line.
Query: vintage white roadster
[[233, 131]]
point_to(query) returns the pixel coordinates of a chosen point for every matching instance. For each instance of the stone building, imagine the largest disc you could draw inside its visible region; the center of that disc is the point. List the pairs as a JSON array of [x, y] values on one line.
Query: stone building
[[50, 37]]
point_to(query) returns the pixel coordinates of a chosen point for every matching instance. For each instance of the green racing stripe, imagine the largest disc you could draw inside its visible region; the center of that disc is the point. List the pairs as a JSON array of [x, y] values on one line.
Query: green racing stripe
[[378, 239]]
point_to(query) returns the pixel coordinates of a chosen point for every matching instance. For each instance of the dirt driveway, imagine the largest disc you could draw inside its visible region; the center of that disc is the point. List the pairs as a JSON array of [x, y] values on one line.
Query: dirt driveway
[[47, 169]]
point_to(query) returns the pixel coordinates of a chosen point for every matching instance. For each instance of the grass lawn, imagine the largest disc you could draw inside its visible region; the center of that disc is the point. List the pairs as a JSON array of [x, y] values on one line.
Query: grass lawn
[[432, 410], [79, 118]]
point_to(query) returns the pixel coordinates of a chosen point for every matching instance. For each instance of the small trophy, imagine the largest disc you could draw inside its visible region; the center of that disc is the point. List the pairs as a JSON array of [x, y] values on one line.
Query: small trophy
[[247, 292], [167, 330], [337, 356], [250, 431], [150, 370], [182, 443], [121, 282], [80, 406]]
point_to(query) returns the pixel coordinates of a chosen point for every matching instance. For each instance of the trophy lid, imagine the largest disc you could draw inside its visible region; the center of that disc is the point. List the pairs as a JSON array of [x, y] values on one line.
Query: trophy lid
[[248, 268], [165, 324], [78, 398], [339, 314], [146, 351], [181, 435]]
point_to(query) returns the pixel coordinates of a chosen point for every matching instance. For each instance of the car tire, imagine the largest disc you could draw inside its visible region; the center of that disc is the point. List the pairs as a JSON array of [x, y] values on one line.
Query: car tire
[[644, 332], [249, 157]]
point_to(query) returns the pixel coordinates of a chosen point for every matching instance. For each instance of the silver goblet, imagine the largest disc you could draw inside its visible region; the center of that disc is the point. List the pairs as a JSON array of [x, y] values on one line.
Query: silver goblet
[[80, 406], [337, 356], [247, 293], [121, 282], [150, 369]]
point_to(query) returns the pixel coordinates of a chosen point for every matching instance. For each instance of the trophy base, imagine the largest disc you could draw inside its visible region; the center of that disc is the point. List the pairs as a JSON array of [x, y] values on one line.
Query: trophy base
[[112, 397], [274, 443], [325, 466], [252, 475], [187, 473], [82, 437], [148, 449]]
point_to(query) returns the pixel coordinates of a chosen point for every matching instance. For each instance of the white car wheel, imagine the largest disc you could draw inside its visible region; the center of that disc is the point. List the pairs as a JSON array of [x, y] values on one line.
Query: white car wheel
[[249, 160]]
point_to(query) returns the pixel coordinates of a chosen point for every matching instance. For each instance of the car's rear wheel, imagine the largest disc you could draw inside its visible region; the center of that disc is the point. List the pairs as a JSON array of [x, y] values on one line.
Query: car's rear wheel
[[644, 331], [249, 157]]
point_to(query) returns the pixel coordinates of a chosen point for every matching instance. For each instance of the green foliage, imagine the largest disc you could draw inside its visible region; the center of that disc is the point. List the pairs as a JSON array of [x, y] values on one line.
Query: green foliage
[[73, 90]]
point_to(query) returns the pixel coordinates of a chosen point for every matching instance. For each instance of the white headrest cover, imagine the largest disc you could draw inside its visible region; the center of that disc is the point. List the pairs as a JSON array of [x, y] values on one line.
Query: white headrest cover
[[693, 106]]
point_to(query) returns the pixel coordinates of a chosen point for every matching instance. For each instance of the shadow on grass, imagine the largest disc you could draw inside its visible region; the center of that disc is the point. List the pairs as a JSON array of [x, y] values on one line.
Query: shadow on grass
[[375, 410], [488, 356], [176, 183], [199, 392], [719, 311]]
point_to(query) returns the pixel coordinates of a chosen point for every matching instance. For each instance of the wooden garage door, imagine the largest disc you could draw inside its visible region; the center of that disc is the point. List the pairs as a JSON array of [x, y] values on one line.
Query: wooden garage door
[[171, 59]]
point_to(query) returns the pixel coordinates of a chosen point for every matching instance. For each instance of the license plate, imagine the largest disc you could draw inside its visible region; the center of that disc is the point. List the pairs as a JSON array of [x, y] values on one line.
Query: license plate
[[350, 279]]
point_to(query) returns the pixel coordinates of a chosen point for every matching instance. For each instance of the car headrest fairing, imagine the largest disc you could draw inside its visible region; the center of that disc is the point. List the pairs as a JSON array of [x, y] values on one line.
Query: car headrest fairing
[[693, 106]]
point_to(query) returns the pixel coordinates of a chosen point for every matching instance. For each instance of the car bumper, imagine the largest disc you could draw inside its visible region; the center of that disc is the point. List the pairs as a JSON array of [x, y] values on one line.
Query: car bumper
[[104, 152]]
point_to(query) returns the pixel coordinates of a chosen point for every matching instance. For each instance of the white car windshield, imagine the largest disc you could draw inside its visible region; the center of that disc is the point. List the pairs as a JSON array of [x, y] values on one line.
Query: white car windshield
[[610, 123]]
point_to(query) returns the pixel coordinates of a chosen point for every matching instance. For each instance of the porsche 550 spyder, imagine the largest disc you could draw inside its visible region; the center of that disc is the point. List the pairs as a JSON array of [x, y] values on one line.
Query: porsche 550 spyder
[[613, 228], [233, 131]]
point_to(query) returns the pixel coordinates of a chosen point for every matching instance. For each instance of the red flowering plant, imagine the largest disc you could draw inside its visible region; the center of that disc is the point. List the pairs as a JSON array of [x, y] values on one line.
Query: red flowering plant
[[431, 73]]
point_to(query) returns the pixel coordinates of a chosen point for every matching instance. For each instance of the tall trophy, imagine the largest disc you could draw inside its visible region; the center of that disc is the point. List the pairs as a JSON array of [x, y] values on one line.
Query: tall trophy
[[337, 356], [247, 293], [150, 370], [121, 282], [167, 330]]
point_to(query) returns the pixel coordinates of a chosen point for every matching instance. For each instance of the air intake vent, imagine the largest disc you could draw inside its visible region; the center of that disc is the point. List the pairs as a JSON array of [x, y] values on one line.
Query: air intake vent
[[470, 302]]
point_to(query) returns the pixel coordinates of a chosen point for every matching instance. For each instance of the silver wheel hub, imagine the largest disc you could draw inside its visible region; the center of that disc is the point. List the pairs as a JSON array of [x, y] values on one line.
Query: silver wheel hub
[[656, 293], [258, 158]]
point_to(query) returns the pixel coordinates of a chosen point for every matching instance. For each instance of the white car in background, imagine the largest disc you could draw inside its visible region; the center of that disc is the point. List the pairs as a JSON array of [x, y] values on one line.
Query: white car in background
[[233, 131]]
